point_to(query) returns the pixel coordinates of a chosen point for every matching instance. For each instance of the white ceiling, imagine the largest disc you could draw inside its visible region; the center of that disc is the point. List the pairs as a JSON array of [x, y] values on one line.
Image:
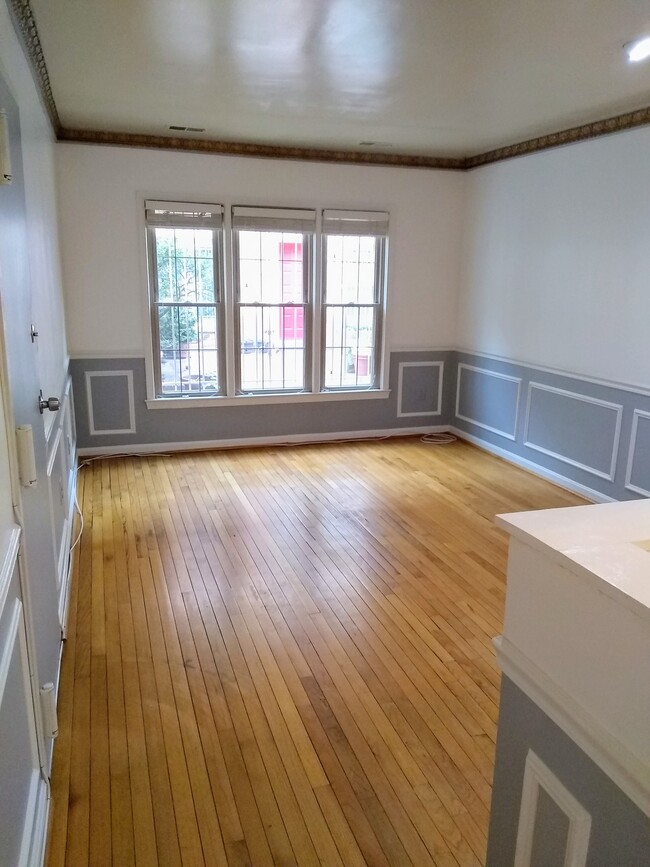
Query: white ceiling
[[432, 77]]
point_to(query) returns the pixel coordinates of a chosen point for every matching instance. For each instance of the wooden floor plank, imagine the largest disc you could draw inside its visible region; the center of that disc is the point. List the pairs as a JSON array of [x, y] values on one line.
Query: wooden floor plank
[[283, 657]]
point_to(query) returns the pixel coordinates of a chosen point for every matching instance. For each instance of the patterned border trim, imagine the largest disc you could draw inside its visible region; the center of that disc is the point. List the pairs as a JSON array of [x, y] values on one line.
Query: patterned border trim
[[619, 123], [24, 18], [29, 32], [245, 149]]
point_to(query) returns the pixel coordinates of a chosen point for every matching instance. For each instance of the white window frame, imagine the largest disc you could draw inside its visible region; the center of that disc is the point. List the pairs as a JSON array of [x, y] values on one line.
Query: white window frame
[[185, 215], [372, 224], [314, 344], [295, 221]]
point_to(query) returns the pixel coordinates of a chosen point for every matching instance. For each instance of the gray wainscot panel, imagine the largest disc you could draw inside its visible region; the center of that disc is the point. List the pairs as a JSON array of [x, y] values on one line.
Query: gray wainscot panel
[[189, 424], [488, 399], [563, 424], [620, 832], [109, 394], [638, 467], [551, 833], [420, 388]]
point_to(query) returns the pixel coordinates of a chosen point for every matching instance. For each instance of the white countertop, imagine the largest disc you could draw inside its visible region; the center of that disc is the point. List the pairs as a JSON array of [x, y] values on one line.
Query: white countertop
[[608, 543]]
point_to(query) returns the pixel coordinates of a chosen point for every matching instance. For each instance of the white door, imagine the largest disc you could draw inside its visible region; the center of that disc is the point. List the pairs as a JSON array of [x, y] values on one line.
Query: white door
[[23, 790], [23, 386]]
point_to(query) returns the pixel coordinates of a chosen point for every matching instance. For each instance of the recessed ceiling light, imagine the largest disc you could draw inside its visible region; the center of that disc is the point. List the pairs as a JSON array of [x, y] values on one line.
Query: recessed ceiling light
[[638, 50]]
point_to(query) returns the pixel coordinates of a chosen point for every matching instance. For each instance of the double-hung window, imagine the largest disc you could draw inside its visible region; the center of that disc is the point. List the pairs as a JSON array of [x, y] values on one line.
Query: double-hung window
[[186, 290], [354, 253], [272, 265], [301, 313]]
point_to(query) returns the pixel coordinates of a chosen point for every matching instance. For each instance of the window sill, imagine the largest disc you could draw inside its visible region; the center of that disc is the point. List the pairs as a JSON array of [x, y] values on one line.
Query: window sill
[[185, 402]]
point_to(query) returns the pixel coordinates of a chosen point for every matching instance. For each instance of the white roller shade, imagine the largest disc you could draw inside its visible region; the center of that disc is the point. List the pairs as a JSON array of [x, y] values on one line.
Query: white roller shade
[[184, 215], [274, 219], [374, 223]]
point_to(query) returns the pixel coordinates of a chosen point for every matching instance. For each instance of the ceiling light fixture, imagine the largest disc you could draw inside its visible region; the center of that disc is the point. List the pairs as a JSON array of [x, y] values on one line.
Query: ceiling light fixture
[[638, 50]]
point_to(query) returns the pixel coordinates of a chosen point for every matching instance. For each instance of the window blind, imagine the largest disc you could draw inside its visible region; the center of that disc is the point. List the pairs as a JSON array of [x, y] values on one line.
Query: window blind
[[184, 216], [374, 223], [274, 219]]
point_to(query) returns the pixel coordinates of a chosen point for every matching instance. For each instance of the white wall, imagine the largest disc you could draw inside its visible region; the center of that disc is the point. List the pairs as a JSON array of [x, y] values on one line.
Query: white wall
[[556, 259], [101, 211], [40, 191]]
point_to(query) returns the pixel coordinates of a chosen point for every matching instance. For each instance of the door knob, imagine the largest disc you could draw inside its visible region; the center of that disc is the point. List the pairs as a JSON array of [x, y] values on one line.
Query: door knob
[[51, 403]]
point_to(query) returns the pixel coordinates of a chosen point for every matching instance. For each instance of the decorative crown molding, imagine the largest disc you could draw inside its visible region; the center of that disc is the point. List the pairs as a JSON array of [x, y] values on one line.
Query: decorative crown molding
[[28, 31], [269, 151], [595, 129]]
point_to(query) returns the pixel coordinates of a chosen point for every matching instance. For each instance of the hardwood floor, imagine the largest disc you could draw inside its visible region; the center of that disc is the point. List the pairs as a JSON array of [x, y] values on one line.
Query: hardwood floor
[[284, 656]]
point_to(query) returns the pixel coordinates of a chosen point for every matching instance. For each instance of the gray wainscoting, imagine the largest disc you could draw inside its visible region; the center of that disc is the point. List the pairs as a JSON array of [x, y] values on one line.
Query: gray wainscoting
[[594, 436], [487, 399], [591, 436], [638, 466], [620, 832], [111, 411]]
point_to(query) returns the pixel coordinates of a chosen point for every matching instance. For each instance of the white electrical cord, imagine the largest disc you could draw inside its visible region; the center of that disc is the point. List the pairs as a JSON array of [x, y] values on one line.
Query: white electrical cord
[[438, 439], [81, 519]]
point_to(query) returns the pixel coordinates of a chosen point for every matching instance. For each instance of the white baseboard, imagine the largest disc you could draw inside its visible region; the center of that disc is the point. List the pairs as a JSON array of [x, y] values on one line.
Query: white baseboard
[[535, 469], [32, 850], [242, 442]]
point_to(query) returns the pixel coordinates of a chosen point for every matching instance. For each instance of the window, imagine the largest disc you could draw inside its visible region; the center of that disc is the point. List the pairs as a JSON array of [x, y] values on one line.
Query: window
[[273, 298], [303, 312], [185, 267], [353, 297]]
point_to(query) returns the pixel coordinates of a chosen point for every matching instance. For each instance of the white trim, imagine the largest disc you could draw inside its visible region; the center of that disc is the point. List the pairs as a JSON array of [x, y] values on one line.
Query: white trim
[[32, 847], [414, 349], [9, 563], [618, 409], [187, 401], [242, 442], [402, 364], [462, 366], [611, 756], [136, 355], [536, 469], [638, 413], [8, 649], [91, 418], [557, 371], [537, 775], [53, 451]]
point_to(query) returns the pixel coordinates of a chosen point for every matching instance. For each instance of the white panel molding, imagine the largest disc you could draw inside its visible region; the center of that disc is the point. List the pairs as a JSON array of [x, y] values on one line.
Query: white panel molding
[[638, 414], [32, 848], [462, 366], [293, 439], [438, 411], [8, 564], [583, 398], [538, 470], [54, 450], [557, 371], [135, 355], [537, 775], [9, 643], [405, 349], [611, 756], [90, 375]]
